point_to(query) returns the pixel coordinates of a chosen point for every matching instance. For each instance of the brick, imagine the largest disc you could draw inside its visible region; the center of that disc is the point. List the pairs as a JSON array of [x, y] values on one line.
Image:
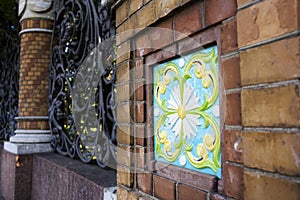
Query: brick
[[146, 15], [143, 44], [163, 188], [164, 7], [187, 192], [162, 34], [244, 2], [259, 186], [122, 193], [229, 36], [218, 10], [123, 72], [130, 25], [124, 155], [135, 5], [199, 180], [266, 20], [123, 52], [220, 186], [271, 107], [233, 109], [139, 90], [123, 92], [122, 13], [206, 37], [119, 30], [124, 176], [139, 69], [133, 195], [123, 113], [277, 61], [140, 112], [275, 152], [162, 55], [231, 72], [233, 181], [144, 182], [233, 146], [140, 157], [186, 24], [140, 134], [125, 193], [126, 30], [124, 135]]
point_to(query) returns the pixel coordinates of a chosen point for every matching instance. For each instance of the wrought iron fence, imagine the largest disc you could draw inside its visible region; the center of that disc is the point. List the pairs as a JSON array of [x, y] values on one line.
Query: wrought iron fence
[[9, 75], [79, 28]]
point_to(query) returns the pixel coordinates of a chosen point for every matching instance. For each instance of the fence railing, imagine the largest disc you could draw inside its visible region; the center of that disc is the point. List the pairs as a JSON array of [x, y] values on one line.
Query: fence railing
[[9, 75], [81, 111]]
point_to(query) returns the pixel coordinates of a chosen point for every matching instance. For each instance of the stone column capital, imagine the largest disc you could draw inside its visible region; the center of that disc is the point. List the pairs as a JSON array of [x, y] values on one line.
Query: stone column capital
[[29, 9]]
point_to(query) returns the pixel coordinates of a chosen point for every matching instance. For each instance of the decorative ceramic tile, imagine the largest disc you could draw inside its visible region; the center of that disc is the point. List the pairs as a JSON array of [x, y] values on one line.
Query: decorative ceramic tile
[[187, 113]]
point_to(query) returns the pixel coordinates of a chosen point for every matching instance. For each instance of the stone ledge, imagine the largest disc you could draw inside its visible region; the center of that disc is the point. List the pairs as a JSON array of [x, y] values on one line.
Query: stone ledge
[[27, 148], [58, 177]]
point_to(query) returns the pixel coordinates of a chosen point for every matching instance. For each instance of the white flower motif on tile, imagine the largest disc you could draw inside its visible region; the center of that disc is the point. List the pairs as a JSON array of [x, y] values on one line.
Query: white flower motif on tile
[[181, 120]]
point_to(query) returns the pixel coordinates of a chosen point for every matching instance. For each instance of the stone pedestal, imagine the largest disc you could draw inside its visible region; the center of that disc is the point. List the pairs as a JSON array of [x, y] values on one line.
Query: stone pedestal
[[28, 141]]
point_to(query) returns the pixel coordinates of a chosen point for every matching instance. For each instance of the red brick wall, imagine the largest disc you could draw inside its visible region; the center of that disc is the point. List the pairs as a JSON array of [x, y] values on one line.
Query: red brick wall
[[259, 62]]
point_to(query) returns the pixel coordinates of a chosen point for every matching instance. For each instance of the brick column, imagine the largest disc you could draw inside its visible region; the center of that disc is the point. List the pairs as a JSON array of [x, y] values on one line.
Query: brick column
[[33, 134]]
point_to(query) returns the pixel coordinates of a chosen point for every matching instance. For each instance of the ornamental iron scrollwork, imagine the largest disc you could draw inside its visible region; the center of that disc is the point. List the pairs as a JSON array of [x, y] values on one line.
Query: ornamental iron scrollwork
[[81, 112], [9, 75]]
